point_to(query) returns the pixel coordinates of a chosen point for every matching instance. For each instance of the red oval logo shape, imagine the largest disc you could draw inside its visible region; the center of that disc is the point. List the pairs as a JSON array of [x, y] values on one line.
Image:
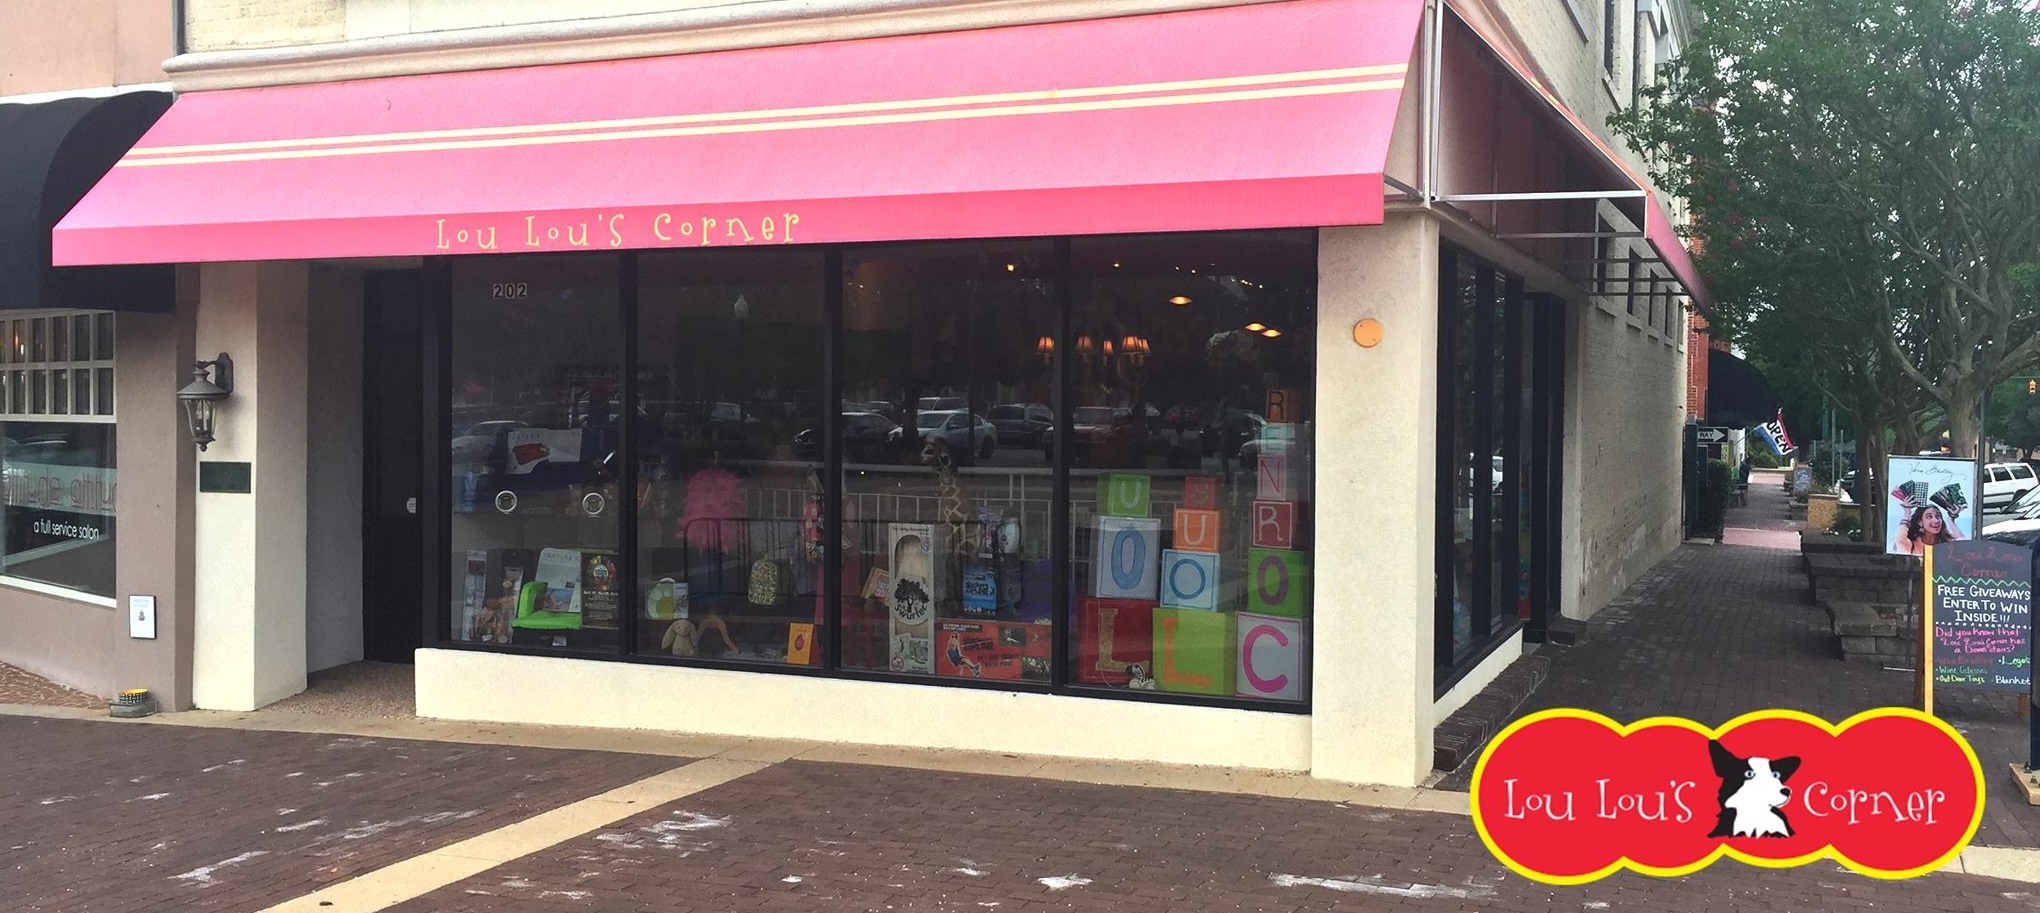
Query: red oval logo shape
[[1570, 796]]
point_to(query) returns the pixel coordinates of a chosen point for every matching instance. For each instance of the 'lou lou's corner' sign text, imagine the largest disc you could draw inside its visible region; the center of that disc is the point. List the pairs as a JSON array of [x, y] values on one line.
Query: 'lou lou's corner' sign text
[[636, 228], [1981, 615]]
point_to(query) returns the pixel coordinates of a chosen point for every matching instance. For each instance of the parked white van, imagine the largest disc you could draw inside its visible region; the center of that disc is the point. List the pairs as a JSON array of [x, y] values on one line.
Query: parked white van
[[2004, 483]]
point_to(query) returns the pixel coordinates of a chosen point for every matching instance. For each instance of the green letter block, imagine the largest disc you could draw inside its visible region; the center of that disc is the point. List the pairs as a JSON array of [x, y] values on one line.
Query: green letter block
[[1194, 651], [1123, 494], [1278, 582]]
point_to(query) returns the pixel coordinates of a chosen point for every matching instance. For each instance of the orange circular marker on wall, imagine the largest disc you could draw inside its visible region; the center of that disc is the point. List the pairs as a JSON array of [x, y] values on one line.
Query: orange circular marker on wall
[[1367, 333]]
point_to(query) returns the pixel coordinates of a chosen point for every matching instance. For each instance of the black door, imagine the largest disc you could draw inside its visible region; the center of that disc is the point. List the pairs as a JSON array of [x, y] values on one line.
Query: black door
[[393, 465]]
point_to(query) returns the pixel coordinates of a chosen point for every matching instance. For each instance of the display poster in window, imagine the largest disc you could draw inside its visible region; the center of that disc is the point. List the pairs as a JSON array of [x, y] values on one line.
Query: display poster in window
[[1929, 502], [559, 569], [474, 591], [599, 593]]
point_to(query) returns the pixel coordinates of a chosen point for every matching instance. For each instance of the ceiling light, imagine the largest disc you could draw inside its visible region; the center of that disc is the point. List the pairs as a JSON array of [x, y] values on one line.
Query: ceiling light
[[1010, 267], [1179, 300], [1271, 332], [1256, 327]]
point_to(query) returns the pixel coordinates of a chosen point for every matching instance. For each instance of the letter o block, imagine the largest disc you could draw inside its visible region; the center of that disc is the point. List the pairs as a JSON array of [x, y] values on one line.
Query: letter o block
[[1278, 582], [1128, 554], [1189, 580]]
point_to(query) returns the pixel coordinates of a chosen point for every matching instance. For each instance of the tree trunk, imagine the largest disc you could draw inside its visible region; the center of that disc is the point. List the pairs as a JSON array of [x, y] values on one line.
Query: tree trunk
[[1962, 429], [1870, 483]]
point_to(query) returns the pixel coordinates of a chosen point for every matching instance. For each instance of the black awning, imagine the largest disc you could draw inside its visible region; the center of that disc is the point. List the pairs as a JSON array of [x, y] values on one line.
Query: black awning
[[51, 153], [1738, 396]]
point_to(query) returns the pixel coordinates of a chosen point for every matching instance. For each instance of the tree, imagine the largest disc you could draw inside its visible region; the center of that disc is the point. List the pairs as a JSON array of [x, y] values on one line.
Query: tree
[[1865, 179]]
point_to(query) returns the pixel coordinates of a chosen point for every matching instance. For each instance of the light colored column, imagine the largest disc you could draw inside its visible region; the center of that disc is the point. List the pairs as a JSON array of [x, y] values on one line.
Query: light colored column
[[250, 588], [1376, 453]]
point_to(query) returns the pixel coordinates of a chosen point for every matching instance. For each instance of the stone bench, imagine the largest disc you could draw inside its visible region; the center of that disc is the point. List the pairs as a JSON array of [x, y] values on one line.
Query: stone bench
[[1845, 576], [1872, 633]]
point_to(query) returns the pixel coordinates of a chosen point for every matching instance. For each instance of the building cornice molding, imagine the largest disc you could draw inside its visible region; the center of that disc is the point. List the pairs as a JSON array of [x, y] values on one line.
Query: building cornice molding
[[763, 23]]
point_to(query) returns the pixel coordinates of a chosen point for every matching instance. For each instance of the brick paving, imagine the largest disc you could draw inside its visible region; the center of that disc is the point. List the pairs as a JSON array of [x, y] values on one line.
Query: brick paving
[[1717, 631], [99, 816], [19, 686], [808, 836], [1764, 520]]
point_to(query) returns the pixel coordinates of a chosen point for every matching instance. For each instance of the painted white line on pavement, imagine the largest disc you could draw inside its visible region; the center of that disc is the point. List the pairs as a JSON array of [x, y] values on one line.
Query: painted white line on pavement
[[420, 875]]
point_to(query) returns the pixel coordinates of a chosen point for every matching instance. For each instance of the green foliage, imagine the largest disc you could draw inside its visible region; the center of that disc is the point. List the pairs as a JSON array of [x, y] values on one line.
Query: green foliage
[[1715, 487], [1863, 176], [1847, 524], [1761, 457]]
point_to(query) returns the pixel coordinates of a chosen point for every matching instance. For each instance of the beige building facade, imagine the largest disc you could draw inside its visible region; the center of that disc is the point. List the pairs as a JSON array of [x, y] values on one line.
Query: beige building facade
[[1490, 367]]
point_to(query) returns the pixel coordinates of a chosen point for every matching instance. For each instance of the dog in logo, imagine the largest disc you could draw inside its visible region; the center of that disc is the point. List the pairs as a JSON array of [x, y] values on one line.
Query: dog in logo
[[1753, 794]]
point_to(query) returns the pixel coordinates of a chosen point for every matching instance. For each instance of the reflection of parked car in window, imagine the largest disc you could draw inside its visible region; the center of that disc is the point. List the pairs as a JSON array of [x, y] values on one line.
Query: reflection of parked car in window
[[1021, 424], [865, 438], [940, 404], [1100, 434], [482, 441], [965, 433]]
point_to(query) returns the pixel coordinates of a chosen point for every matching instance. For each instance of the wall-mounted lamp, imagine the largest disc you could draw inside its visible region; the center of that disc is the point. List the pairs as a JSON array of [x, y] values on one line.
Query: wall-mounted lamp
[[211, 381]]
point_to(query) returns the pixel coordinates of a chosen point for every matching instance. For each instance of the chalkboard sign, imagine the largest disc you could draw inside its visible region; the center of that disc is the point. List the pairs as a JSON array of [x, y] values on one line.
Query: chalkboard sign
[[1982, 615]]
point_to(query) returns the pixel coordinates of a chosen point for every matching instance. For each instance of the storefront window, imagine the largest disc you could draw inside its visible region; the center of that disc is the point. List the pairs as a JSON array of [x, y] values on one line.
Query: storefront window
[[1471, 472], [947, 513], [59, 472], [1165, 383], [729, 444], [1190, 447], [536, 377]]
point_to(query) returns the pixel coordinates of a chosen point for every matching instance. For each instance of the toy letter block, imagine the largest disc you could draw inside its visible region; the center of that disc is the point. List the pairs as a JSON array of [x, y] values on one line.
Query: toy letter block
[[1278, 582], [800, 644], [1270, 657], [1129, 550], [1190, 580], [1123, 494], [1275, 524], [1200, 493], [1113, 636], [1193, 651], [1196, 530], [1277, 480], [1284, 406]]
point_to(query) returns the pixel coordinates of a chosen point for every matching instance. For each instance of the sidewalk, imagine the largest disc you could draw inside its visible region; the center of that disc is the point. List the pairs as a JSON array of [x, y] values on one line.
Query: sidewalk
[[1717, 631], [1763, 520]]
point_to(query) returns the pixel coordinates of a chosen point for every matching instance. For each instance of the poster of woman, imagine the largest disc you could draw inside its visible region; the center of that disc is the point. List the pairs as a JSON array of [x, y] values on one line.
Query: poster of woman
[[1929, 503]]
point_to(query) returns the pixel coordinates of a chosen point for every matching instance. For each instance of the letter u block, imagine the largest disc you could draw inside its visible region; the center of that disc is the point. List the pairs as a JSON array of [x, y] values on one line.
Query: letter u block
[[1193, 651], [1124, 494], [1128, 554], [1189, 580], [1278, 582], [1196, 530]]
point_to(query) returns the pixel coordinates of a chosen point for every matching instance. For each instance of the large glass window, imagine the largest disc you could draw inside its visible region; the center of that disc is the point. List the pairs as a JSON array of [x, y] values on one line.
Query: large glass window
[[1190, 443], [1496, 443], [729, 443], [1163, 383], [536, 372], [56, 414], [946, 520]]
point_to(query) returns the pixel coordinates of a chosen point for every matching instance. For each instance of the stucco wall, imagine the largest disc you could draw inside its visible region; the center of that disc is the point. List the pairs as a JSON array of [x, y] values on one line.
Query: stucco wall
[[59, 45]]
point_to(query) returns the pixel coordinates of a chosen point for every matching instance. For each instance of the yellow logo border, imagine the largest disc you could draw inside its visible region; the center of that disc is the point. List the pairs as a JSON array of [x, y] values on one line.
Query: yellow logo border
[[1825, 852]]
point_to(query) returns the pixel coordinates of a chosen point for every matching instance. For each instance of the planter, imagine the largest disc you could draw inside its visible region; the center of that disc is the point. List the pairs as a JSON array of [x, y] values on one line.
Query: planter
[[1874, 579], [1820, 511]]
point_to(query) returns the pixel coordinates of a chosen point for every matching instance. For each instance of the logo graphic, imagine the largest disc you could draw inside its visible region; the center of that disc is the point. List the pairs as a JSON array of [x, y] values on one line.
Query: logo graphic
[[1753, 794], [1570, 796]]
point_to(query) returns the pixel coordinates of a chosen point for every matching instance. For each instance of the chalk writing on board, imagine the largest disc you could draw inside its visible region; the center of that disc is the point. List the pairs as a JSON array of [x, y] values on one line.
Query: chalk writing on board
[[1982, 616]]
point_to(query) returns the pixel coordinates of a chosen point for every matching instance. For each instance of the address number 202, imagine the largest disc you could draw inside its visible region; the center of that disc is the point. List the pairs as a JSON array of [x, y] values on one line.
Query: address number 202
[[510, 291]]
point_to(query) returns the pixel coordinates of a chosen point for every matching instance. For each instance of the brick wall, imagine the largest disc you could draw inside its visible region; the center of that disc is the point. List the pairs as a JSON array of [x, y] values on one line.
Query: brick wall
[[1625, 408]]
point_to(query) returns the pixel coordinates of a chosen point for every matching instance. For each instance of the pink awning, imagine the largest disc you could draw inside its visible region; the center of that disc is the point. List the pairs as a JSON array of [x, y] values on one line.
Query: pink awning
[[1268, 115]]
